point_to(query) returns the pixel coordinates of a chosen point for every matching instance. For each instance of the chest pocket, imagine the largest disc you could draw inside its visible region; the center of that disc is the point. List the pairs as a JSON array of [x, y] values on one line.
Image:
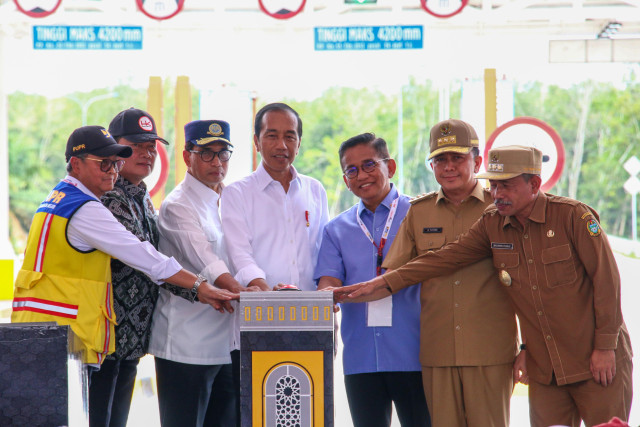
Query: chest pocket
[[559, 268], [509, 262], [212, 235], [430, 242]]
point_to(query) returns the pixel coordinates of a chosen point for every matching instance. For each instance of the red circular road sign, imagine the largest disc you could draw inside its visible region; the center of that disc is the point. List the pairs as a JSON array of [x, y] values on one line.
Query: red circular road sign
[[160, 9], [443, 8], [37, 8], [158, 177], [532, 132], [282, 9]]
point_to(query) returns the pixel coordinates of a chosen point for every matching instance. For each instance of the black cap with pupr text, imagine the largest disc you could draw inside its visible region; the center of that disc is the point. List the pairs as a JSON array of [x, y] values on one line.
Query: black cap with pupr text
[[94, 140]]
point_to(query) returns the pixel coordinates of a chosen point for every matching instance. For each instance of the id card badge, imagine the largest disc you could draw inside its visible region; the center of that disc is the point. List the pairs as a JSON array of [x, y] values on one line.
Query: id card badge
[[379, 312]]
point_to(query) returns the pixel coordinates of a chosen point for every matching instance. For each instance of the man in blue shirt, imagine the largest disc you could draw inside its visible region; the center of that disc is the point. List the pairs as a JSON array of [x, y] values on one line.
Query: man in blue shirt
[[381, 339]]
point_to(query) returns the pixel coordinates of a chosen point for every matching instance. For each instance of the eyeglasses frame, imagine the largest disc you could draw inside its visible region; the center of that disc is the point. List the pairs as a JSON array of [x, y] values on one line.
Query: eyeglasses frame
[[115, 164], [358, 169], [214, 153]]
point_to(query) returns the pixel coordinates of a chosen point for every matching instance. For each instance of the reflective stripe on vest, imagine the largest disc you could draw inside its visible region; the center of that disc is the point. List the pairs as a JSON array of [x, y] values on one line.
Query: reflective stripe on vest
[[42, 242], [44, 306]]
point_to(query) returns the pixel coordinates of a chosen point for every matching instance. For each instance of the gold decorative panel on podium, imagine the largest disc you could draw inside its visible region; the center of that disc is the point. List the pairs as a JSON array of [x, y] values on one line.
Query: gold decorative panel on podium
[[286, 359]]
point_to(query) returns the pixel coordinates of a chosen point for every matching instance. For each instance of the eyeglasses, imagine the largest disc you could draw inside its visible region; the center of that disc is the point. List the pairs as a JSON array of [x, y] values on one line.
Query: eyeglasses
[[107, 164], [208, 155], [367, 166]]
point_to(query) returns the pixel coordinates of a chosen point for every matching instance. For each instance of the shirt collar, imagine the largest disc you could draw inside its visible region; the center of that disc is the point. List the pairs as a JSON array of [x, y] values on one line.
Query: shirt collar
[[206, 193], [386, 202], [264, 179], [75, 182], [538, 213], [477, 192]]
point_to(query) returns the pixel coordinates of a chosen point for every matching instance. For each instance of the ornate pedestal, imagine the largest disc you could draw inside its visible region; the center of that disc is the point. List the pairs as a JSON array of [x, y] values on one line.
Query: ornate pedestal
[[286, 359]]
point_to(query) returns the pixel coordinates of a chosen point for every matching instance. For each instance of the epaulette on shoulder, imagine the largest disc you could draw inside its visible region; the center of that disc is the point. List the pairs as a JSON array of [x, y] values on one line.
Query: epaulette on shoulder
[[423, 196], [574, 203], [490, 210], [565, 200]]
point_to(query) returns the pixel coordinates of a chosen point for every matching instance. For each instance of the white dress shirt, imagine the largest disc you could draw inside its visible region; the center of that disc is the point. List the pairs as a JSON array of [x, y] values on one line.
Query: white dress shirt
[[190, 230], [93, 226], [271, 234]]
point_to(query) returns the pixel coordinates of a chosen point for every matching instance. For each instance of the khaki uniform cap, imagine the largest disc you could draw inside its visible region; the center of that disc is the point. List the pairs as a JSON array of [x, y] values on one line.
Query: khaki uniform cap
[[513, 160], [452, 136]]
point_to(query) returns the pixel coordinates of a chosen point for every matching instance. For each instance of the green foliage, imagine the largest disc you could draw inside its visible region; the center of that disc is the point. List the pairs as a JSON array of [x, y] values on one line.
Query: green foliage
[[611, 137]]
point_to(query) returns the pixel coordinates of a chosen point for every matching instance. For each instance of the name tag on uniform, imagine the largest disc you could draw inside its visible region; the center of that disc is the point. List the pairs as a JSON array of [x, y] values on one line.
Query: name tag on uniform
[[432, 230], [501, 245]]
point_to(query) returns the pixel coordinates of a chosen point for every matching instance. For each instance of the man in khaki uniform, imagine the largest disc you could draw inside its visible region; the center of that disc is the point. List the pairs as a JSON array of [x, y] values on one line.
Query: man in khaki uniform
[[557, 266], [467, 327]]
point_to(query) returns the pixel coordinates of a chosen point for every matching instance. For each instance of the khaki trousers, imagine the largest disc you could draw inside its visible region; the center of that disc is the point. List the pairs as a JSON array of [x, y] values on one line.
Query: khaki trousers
[[585, 400], [468, 396]]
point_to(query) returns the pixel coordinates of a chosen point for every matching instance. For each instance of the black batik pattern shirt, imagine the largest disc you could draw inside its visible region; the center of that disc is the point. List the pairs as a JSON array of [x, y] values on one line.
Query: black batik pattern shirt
[[134, 293]]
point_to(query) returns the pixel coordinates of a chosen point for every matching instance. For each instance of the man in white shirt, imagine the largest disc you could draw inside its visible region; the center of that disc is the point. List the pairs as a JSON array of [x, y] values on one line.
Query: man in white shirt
[[273, 218], [191, 344], [66, 273]]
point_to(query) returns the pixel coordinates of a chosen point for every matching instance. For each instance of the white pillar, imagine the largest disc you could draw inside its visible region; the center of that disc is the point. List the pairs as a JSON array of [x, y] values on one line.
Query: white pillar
[[6, 250]]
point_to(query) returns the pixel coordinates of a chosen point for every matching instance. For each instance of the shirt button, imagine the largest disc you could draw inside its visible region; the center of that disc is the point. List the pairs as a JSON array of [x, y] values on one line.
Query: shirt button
[[548, 337], [457, 282], [502, 265], [378, 334], [293, 262], [534, 287], [458, 327], [456, 305], [526, 236], [530, 261], [539, 313], [431, 243]]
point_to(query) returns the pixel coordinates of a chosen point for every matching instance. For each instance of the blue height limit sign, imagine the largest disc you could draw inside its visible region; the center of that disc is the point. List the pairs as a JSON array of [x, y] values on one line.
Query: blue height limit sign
[[86, 37], [369, 37]]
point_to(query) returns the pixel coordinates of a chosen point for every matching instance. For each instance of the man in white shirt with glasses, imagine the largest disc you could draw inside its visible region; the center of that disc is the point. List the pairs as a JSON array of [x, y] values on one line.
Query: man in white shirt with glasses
[[192, 345]]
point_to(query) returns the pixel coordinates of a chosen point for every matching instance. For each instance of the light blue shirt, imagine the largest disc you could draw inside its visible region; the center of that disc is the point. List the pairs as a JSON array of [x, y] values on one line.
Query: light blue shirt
[[348, 255]]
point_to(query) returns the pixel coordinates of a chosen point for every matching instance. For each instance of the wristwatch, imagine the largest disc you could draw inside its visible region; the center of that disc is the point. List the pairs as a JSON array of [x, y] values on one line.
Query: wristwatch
[[194, 291]]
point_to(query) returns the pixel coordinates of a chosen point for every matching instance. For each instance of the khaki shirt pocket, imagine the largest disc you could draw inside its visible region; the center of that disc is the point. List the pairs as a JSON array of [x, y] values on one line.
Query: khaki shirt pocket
[[509, 262], [430, 242], [559, 268]]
